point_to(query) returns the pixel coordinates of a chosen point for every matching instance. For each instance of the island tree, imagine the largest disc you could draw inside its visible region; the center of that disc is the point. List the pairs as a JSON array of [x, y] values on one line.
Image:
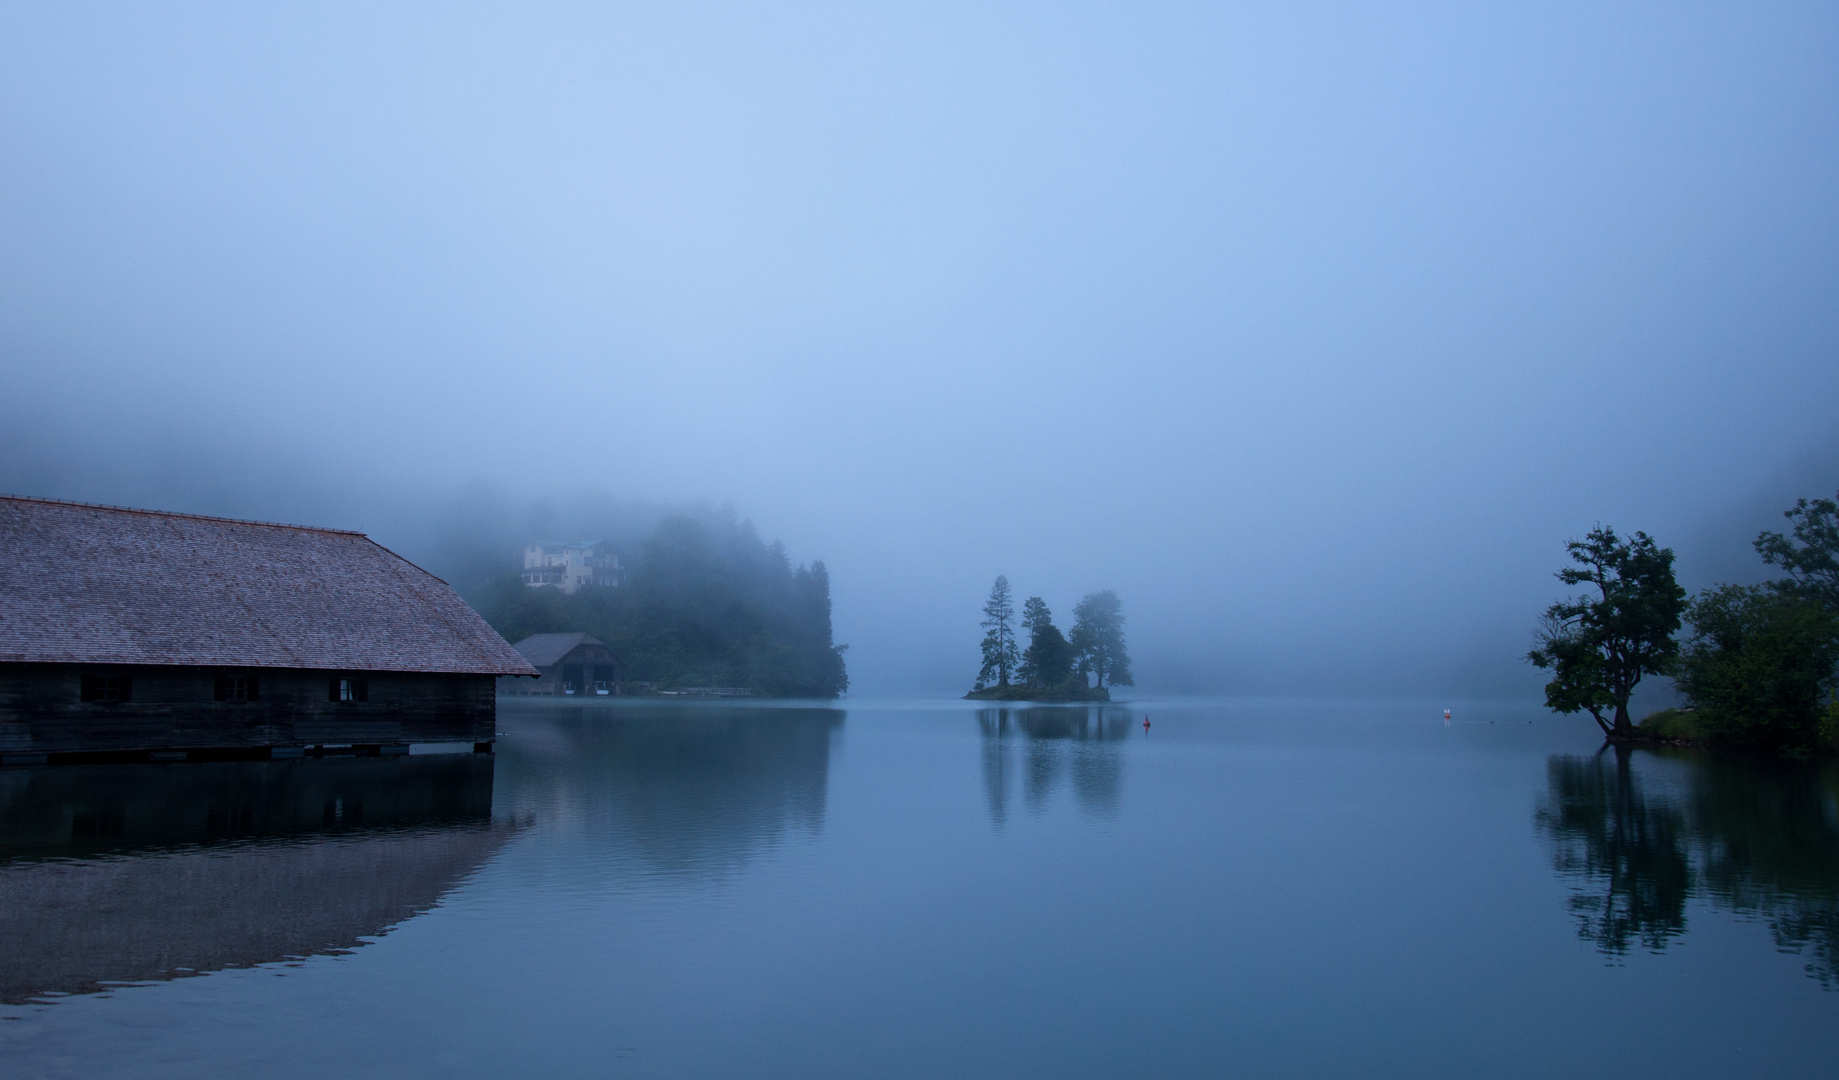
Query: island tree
[[1098, 639], [1600, 645], [1000, 656], [1047, 663]]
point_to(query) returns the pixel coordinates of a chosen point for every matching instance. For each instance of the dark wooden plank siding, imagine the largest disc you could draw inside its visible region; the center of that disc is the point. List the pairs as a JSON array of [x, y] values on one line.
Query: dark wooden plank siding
[[42, 711]]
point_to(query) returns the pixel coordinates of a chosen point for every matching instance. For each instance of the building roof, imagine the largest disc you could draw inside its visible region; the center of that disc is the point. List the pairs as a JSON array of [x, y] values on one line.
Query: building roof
[[110, 585], [543, 650]]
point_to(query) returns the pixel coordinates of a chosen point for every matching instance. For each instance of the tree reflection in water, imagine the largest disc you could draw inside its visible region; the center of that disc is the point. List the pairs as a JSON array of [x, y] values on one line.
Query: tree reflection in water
[[1631, 850], [680, 792], [1055, 743], [1752, 836]]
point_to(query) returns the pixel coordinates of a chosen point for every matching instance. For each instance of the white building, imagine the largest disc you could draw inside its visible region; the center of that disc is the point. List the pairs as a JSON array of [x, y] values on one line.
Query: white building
[[568, 566]]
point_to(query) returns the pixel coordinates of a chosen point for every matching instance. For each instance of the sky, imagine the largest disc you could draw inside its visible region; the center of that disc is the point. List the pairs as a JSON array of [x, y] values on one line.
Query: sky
[[1312, 329]]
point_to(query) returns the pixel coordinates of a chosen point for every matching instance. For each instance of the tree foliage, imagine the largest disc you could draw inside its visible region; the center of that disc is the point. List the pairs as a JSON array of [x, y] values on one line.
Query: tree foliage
[[1599, 646], [1000, 655], [1811, 554], [1759, 665], [708, 604], [1763, 657], [1047, 663], [1098, 639]]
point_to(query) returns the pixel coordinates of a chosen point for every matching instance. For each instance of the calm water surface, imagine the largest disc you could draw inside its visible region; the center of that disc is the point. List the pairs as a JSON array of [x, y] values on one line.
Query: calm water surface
[[932, 890]]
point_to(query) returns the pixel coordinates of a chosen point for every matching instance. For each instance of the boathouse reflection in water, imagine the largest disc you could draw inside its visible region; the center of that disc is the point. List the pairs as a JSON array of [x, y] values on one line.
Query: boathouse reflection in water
[[130, 873], [1057, 742], [1751, 835]]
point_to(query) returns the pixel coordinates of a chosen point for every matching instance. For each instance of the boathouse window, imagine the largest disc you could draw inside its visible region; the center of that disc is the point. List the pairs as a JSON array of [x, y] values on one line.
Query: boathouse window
[[107, 688], [236, 688], [350, 690]]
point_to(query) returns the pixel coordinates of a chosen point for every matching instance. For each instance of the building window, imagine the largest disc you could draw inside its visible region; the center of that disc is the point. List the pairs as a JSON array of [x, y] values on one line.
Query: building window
[[236, 688], [107, 688], [350, 690]]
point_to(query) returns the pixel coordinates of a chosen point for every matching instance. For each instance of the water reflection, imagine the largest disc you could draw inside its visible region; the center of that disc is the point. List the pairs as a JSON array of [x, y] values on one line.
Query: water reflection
[[1056, 743], [1752, 836], [129, 873], [682, 791]]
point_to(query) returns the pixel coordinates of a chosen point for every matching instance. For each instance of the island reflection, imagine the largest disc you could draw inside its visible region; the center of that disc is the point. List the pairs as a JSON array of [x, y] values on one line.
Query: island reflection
[[129, 873], [1057, 742], [1752, 836]]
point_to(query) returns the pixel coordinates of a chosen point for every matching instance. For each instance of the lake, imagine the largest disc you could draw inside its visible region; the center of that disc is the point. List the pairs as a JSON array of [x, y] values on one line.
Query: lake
[[932, 889]]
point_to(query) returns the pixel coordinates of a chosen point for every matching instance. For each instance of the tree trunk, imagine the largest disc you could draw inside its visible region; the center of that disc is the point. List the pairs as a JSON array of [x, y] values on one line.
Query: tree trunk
[[1623, 726]]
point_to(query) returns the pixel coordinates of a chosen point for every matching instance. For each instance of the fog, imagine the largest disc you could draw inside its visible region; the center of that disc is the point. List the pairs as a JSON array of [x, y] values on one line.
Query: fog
[[1314, 330]]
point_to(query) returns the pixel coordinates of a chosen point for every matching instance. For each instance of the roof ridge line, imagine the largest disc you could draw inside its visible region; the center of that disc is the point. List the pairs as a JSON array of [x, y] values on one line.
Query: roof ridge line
[[193, 517]]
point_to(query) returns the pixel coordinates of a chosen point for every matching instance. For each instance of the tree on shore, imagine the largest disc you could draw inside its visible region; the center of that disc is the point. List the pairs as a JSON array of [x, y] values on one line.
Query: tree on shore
[[1599, 647], [1098, 639], [1811, 556], [1000, 656], [1763, 656], [1759, 664], [1047, 663]]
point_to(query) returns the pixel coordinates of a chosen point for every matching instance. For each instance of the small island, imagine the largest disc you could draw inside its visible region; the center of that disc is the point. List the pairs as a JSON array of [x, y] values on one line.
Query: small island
[[1081, 666]]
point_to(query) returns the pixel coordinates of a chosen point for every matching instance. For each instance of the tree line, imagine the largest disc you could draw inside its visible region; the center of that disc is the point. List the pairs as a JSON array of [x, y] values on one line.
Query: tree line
[[1759, 667], [708, 604], [1085, 662]]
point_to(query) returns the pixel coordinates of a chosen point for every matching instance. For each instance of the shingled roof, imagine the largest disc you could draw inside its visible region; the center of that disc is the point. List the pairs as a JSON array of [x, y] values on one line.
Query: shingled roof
[[107, 585], [543, 650]]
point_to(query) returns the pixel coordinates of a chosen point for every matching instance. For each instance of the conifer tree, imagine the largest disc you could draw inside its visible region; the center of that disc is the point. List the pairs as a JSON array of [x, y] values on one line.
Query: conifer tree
[[1000, 656], [1048, 660], [1098, 638], [1035, 614]]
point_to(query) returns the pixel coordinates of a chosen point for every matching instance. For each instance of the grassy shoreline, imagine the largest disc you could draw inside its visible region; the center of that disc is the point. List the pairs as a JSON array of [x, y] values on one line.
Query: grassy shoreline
[[1682, 728], [1023, 693]]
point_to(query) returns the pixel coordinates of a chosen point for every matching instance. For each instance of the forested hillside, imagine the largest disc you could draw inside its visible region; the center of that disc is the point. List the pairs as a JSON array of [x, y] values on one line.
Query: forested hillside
[[708, 604]]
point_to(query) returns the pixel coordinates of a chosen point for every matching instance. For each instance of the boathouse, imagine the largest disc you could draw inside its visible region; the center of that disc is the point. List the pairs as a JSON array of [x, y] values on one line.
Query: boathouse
[[568, 664], [152, 634]]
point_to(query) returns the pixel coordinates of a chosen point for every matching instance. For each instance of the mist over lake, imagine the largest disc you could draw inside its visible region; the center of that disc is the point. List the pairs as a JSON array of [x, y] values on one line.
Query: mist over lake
[[1312, 331]]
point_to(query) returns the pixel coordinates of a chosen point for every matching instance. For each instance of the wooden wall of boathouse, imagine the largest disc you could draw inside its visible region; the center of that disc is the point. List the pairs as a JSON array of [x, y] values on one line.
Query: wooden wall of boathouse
[[43, 709]]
